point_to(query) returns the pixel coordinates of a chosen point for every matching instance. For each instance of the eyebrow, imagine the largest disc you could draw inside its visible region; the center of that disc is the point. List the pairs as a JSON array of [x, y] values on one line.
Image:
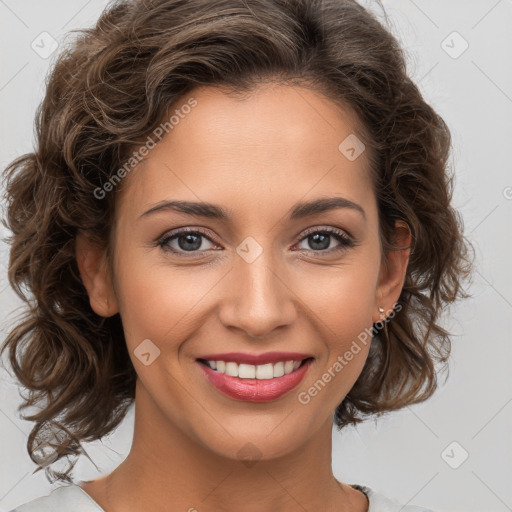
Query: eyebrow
[[212, 211]]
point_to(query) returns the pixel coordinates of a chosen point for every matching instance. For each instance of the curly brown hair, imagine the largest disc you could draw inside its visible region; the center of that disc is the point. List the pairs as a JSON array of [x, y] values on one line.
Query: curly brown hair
[[111, 87]]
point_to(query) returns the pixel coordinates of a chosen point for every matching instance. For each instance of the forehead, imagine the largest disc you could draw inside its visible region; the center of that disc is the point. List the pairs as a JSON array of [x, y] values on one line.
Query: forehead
[[276, 141]]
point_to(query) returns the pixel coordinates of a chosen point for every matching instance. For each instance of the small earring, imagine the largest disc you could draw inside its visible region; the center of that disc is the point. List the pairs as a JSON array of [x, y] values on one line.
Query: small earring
[[381, 312]]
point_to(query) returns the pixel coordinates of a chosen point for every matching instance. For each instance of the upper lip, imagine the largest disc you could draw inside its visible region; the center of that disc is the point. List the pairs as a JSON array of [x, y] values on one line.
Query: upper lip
[[256, 359]]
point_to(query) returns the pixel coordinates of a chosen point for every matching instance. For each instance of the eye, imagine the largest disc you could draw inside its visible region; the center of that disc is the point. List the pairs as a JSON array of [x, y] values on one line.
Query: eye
[[320, 240], [185, 241], [192, 241]]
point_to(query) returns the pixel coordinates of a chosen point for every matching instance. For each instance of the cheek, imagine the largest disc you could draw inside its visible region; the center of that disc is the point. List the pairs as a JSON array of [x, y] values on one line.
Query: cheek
[[343, 296], [343, 301], [159, 301]]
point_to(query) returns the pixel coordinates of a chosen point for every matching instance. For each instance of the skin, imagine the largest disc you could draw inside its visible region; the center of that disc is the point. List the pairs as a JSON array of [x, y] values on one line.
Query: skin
[[256, 158]]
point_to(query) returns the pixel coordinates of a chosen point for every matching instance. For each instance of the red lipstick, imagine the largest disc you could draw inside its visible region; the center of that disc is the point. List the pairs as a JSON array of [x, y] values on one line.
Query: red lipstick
[[254, 390]]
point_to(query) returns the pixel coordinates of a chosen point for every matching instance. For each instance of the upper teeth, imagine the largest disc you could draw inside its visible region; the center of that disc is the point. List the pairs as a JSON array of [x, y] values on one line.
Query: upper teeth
[[250, 371]]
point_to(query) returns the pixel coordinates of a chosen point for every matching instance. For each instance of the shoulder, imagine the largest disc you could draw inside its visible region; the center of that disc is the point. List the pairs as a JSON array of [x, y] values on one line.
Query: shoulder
[[66, 498], [378, 502]]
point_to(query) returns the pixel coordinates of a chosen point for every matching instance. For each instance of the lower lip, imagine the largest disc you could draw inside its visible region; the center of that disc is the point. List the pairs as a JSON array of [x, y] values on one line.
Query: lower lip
[[254, 390]]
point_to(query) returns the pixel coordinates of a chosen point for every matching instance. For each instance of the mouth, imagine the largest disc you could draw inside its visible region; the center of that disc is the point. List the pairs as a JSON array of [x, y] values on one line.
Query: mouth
[[250, 371], [254, 383]]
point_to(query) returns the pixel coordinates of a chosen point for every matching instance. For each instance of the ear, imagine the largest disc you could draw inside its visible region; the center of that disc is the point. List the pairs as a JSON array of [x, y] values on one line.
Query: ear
[[393, 271], [95, 274]]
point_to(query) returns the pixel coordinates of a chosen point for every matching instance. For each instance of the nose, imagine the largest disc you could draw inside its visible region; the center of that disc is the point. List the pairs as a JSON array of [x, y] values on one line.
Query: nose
[[257, 298]]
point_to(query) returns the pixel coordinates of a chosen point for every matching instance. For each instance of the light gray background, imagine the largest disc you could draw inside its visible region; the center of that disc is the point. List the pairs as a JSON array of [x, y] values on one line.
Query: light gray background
[[401, 454]]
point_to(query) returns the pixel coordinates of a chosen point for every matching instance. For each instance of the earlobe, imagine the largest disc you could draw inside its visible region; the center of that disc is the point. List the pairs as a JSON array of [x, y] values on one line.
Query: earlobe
[[393, 272], [94, 271]]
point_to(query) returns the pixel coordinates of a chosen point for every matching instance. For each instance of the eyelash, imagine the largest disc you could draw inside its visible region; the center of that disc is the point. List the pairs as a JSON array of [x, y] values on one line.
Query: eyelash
[[345, 240]]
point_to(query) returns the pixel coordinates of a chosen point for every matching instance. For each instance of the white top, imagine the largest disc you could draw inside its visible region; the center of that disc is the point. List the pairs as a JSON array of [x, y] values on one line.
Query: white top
[[72, 498]]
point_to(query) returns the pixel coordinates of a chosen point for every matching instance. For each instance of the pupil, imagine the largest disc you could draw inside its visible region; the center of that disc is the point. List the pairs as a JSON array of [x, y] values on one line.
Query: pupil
[[319, 241], [193, 242]]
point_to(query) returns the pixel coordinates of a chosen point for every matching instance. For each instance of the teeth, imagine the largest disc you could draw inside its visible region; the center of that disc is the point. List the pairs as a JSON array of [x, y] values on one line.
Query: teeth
[[246, 371], [288, 366], [250, 371], [278, 369], [231, 369], [265, 371]]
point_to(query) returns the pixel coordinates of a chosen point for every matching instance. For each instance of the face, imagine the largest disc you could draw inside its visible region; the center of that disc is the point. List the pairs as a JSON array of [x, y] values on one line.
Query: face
[[260, 273]]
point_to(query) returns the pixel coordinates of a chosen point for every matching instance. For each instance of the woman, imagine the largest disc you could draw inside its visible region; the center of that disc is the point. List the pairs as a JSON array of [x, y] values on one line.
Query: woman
[[237, 217]]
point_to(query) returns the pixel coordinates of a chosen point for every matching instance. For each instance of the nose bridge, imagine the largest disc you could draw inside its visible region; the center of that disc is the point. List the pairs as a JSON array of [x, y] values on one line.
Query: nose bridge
[[258, 299]]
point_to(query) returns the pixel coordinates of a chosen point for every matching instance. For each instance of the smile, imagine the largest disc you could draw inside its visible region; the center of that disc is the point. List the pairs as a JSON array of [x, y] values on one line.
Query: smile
[[254, 383], [250, 371]]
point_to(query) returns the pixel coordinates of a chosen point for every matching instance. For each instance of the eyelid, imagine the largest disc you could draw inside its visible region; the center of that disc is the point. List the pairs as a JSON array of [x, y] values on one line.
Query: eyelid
[[312, 229], [161, 240], [346, 242], [323, 229]]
